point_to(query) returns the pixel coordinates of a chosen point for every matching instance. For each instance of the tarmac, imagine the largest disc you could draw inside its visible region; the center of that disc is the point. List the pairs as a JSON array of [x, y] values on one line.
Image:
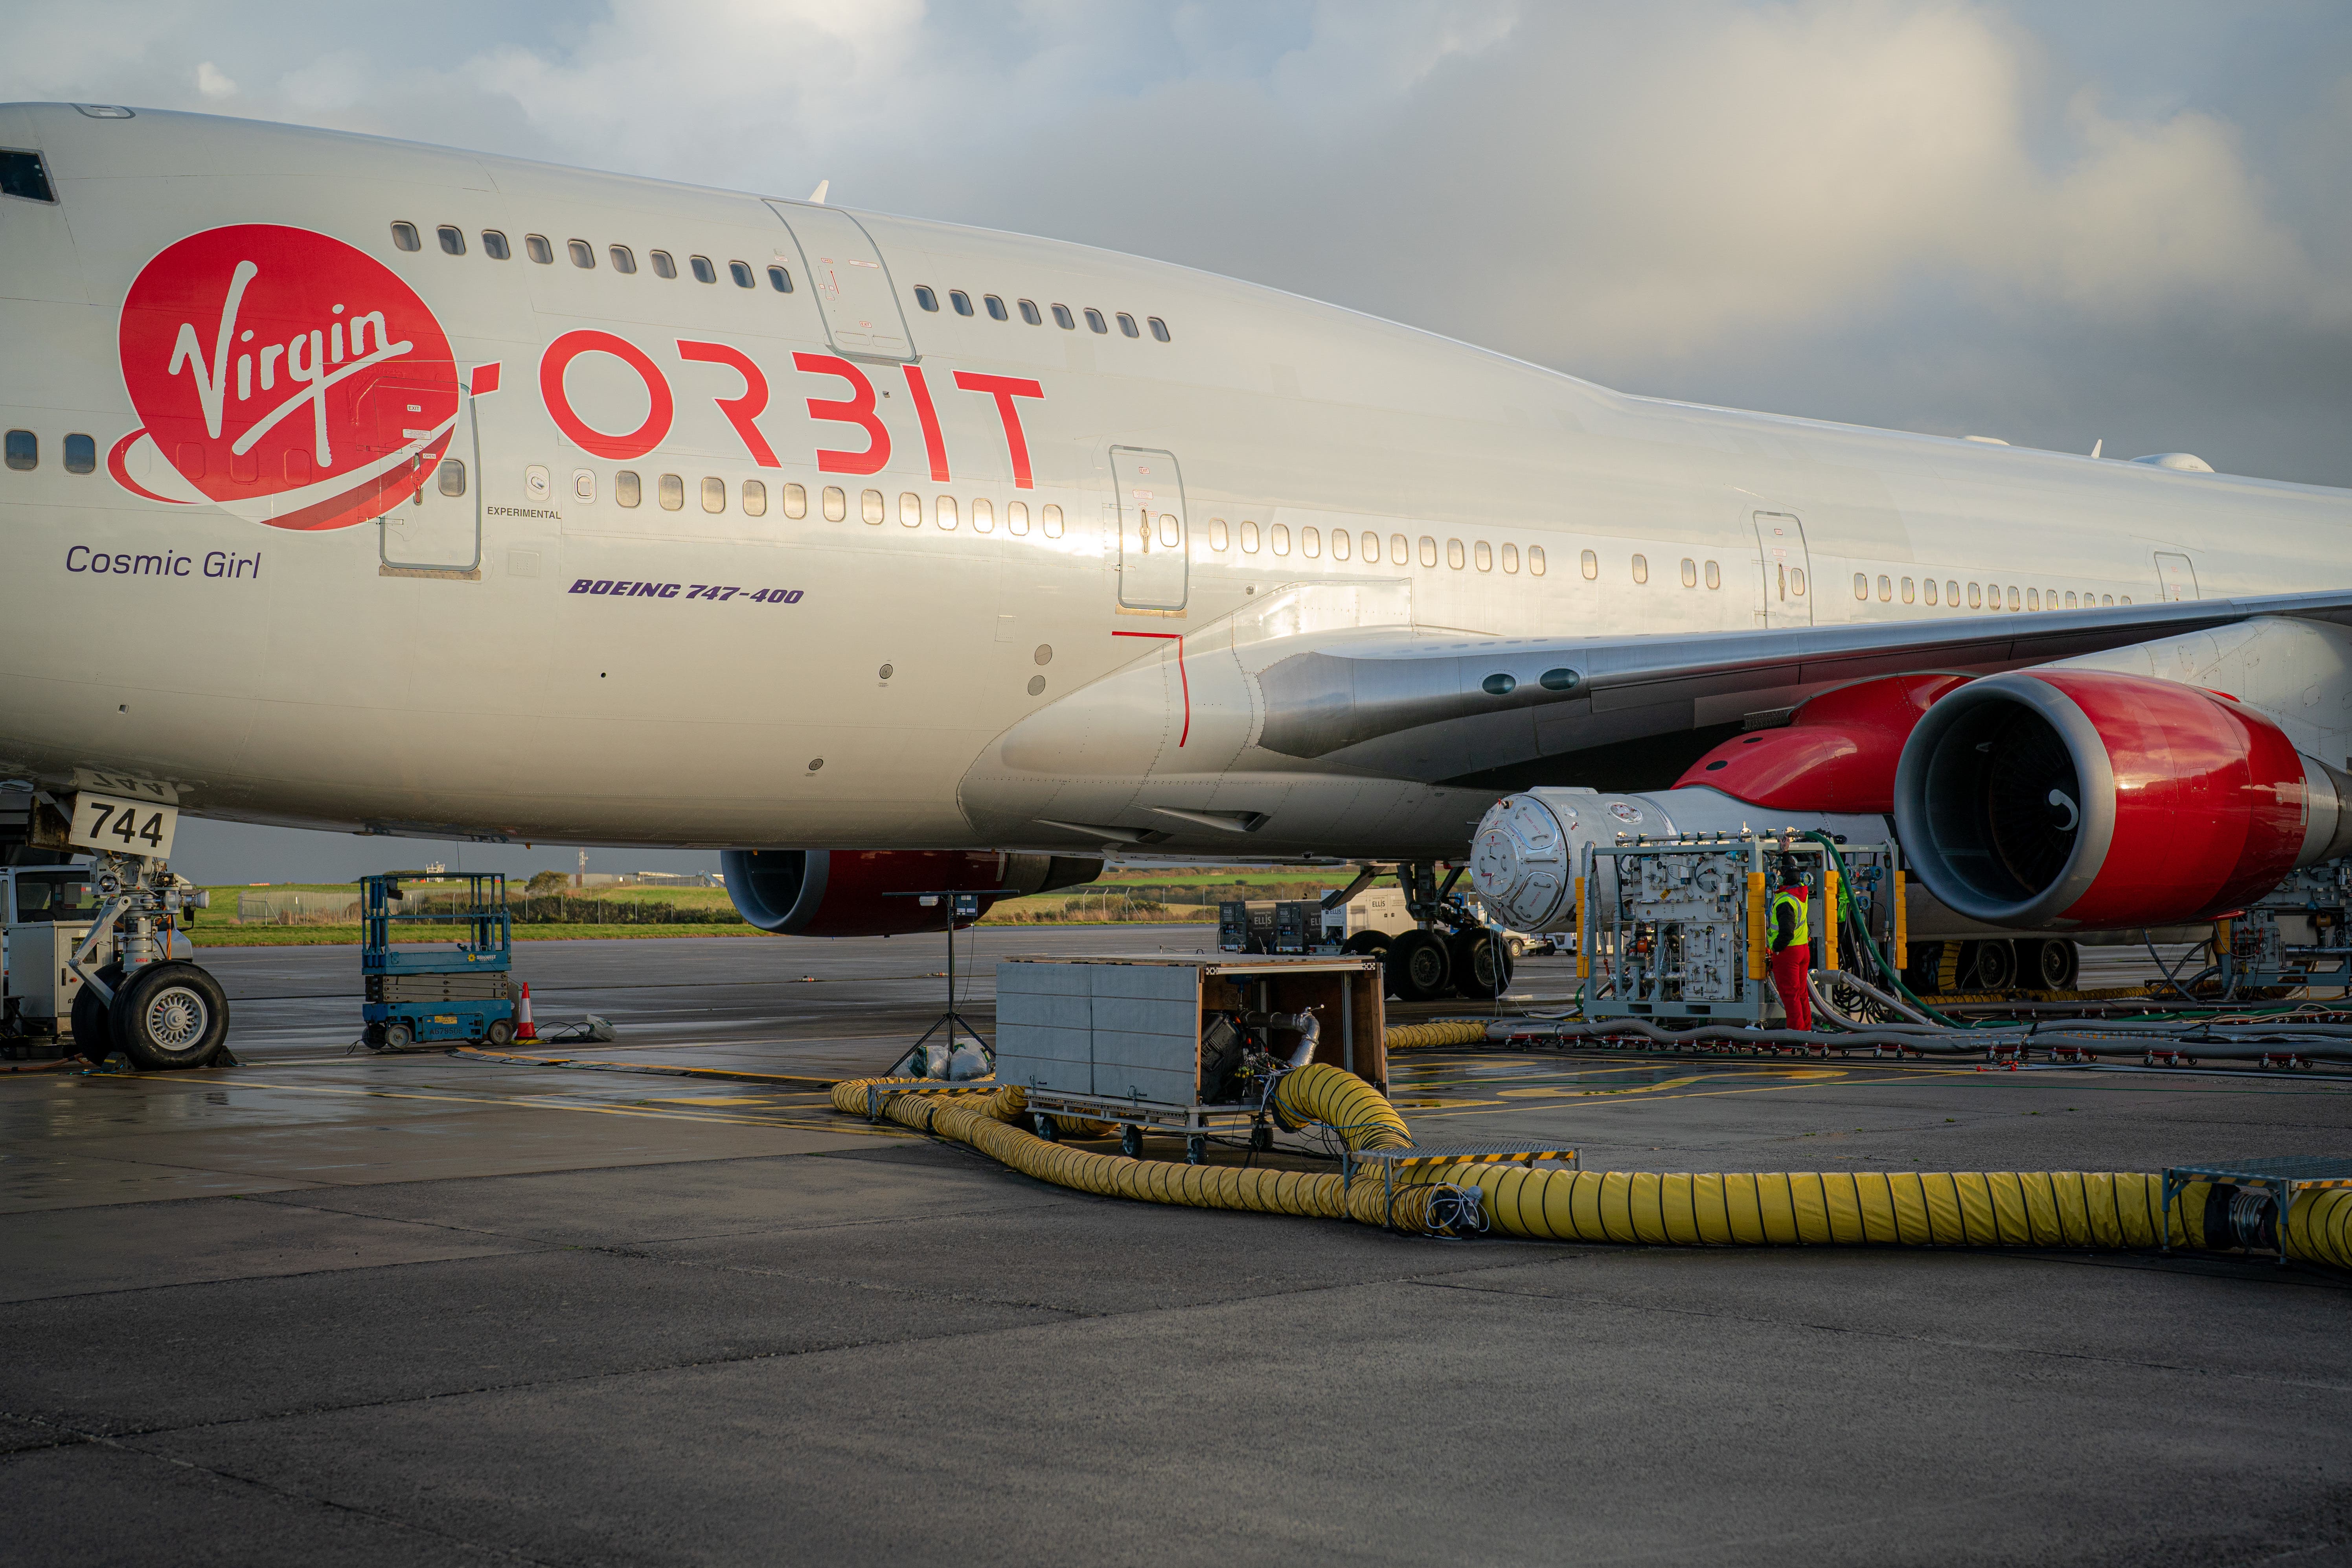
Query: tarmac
[[329, 1306]]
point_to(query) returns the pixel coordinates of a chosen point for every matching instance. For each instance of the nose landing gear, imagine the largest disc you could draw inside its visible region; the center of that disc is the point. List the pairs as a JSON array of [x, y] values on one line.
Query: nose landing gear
[[160, 1011]]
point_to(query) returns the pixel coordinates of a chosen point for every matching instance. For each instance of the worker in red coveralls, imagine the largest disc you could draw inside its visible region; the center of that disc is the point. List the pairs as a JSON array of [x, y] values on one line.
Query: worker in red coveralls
[[1792, 949]]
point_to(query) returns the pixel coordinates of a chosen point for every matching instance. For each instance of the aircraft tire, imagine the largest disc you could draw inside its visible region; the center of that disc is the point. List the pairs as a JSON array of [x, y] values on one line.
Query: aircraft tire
[[169, 1016], [1482, 966], [1367, 943], [93, 1033], [1420, 967]]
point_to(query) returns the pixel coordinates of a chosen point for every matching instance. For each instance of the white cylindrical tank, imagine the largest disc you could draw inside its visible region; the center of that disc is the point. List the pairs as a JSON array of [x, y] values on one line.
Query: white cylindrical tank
[[1530, 847]]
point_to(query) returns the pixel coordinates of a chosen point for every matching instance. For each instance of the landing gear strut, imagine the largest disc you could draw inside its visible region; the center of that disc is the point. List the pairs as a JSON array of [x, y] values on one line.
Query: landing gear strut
[[1454, 952], [158, 1011]]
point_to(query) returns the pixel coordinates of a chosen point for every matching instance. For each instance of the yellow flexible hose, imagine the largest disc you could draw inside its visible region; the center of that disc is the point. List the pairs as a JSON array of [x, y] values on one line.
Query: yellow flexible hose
[[1412, 1036], [2117, 1210]]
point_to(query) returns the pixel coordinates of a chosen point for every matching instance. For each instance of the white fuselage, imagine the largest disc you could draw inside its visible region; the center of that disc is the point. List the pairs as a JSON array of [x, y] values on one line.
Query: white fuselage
[[458, 671]]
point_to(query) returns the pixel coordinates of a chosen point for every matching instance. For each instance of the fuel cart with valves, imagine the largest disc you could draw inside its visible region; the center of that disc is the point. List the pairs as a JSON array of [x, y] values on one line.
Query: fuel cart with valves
[[421, 991], [1181, 1046]]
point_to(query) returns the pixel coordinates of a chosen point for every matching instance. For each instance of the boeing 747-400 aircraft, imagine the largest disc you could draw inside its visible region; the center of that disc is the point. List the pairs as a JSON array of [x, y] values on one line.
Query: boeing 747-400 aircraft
[[357, 484]]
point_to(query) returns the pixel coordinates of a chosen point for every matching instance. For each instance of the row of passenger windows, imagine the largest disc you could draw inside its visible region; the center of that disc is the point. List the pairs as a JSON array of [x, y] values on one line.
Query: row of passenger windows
[[1985, 595], [24, 451], [833, 502], [1401, 549], [960, 302], [540, 249], [1589, 564]]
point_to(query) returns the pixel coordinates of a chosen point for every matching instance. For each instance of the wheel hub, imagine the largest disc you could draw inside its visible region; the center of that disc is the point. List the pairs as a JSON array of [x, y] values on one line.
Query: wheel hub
[[177, 1018]]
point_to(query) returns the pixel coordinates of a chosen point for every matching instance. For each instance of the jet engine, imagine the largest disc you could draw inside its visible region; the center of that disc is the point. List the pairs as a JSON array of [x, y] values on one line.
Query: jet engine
[[841, 892], [2073, 799]]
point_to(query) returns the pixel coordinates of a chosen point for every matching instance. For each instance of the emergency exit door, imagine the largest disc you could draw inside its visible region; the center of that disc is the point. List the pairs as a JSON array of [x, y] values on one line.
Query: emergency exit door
[[1153, 557], [2176, 576], [440, 529], [853, 287], [1788, 570]]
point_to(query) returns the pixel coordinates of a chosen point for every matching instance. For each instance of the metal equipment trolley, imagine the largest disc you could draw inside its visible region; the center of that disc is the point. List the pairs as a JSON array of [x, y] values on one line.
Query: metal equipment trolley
[[420, 994]]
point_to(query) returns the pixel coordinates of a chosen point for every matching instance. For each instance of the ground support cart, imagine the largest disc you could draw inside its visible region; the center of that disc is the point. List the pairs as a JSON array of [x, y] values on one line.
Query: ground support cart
[[418, 994]]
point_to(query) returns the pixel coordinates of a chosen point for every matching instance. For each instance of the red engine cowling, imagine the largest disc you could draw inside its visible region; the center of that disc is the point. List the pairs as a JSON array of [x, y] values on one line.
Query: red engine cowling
[[845, 892], [2064, 797], [1837, 753]]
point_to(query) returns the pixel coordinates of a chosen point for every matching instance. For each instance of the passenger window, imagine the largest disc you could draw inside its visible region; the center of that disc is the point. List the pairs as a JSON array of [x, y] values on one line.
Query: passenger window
[[2012, 596], [81, 453], [1063, 319], [583, 254], [403, 236], [755, 498], [1310, 541], [449, 477], [1714, 576], [1796, 582], [1249, 538], [910, 510], [1511, 558], [1588, 561], [1095, 322], [925, 297], [796, 503], [741, 272], [1399, 549], [1278, 536], [1951, 593], [494, 244], [1219, 535], [714, 495], [1338, 544], [1690, 573], [2033, 600], [1976, 596], [702, 270], [945, 512], [1017, 516], [624, 260], [1909, 594], [1126, 325], [2070, 598], [670, 491], [780, 280], [663, 266], [1454, 553], [1886, 589], [628, 488], [24, 451], [452, 239], [1861, 586], [1535, 560], [1428, 551], [1640, 568], [835, 503], [1159, 329], [869, 507], [1051, 517], [1372, 542], [535, 246], [961, 300], [1482, 556], [983, 515], [1930, 585], [1029, 313], [995, 308], [1169, 537]]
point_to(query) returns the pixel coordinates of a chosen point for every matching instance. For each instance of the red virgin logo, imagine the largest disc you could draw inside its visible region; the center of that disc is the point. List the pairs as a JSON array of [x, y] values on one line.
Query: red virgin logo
[[283, 376]]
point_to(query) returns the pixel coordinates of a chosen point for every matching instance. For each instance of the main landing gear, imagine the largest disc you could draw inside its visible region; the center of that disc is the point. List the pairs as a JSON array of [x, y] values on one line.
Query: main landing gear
[[1452, 952], [159, 1011]]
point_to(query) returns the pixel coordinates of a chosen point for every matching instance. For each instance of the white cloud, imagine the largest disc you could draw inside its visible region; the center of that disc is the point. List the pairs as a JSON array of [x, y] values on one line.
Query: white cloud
[[212, 83]]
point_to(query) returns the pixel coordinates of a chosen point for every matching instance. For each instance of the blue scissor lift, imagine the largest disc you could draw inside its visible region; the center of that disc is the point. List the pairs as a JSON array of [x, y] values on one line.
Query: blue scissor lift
[[418, 994]]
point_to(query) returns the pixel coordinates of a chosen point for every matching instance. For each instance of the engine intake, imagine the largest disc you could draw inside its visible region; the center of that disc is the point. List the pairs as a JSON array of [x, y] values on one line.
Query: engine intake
[[2072, 798], [838, 892]]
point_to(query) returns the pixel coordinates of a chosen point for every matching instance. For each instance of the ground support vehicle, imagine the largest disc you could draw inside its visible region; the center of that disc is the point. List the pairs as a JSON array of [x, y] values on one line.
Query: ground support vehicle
[[419, 994]]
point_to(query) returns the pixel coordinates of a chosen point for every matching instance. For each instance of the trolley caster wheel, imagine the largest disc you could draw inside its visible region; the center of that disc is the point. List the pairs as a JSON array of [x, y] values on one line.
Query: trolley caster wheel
[[93, 1033], [499, 1035], [372, 1036], [398, 1036], [1043, 1125], [1196, 1151], [170, 1014], [1130, 1142], [1260, 1138]]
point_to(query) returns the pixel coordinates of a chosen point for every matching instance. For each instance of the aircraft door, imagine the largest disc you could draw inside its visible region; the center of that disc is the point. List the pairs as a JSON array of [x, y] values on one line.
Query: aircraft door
[[1153, 540], [854, 291], [440, 529], [1788, 570], [2176, 576]]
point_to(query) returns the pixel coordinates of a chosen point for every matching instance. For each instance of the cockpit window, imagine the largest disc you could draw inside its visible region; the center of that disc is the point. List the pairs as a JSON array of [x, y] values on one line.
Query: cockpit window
[[21, 174]]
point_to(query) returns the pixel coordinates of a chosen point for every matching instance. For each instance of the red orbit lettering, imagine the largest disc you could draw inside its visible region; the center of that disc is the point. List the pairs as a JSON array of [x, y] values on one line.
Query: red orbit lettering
[[935, 445], [858, 411], [741, 411], [636, 443], [1005, 389]]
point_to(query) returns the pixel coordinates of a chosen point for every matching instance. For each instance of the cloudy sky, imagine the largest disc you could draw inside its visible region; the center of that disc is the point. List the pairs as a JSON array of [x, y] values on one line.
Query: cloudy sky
[[2054, 224]]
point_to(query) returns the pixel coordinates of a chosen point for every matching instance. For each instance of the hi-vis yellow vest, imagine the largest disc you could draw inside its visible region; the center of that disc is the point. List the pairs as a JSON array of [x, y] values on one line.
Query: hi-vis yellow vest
[[1801, 932]]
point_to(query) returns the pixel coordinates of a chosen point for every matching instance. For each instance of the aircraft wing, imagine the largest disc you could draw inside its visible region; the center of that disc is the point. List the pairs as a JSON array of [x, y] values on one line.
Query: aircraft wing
[[1624, 712]]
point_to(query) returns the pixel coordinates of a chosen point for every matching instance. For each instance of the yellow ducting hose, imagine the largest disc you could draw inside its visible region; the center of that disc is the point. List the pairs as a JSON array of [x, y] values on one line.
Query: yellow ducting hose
[[1412, 1036], [2073, 1209]]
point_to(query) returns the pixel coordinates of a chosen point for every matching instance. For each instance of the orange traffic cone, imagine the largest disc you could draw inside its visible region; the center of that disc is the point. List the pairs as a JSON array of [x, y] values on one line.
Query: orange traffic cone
[[524, 1028]]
